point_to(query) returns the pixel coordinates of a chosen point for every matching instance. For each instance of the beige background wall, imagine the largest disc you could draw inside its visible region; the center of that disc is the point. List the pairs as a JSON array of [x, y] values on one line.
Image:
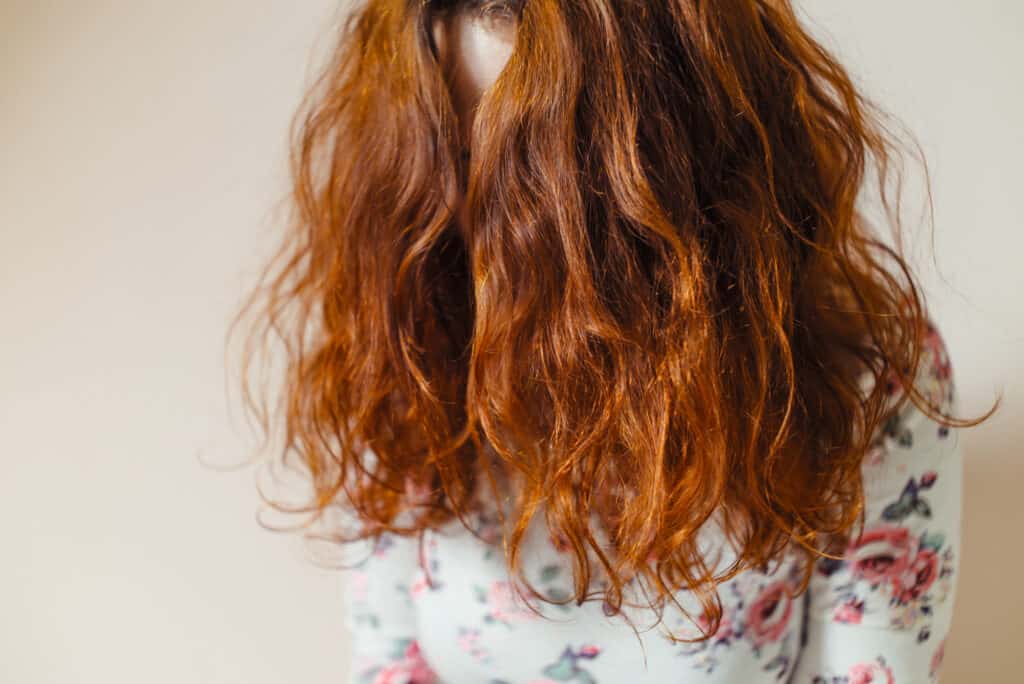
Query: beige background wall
[[141, 153]]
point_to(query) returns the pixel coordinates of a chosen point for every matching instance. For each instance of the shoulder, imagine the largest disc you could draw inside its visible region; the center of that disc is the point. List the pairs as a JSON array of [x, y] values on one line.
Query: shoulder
[[912, 440], [900, 571]]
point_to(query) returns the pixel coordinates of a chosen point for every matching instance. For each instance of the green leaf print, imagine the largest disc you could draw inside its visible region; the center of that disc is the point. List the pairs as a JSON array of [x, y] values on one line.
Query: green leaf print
[[933, 540], [567, 668], [549, 572]]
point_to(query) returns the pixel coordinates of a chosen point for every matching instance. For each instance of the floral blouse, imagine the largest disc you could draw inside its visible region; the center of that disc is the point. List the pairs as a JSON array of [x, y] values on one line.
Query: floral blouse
[[442, 610]]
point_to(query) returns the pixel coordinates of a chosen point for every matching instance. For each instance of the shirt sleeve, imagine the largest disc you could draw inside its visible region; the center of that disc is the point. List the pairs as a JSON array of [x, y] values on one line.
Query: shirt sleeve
[[379, 613], [883, 613]]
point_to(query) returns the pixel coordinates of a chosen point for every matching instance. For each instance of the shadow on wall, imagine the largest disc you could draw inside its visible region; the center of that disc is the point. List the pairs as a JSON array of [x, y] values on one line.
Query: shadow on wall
[[987, 615]]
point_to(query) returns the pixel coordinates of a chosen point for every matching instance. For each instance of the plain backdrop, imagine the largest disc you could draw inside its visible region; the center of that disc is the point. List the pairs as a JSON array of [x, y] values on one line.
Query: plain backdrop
[[142, 152]]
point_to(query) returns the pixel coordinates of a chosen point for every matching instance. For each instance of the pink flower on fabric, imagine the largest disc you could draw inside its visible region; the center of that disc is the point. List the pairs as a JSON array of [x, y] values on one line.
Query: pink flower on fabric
[[726, 629], [882, 554], [933, 342], [769, 614], [392, 674], [870, 673], [851, 612], [558, 541], [419, 586], [468, 638], [590, 651], [937, 658], [417, 492], [875, 456], [358, 583], [500, 601], [411, 669], [487, 526], [382, 545], [918, 576]]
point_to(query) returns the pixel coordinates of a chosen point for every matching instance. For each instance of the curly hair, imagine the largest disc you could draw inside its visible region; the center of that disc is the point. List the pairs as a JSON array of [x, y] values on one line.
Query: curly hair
[[664, 304]]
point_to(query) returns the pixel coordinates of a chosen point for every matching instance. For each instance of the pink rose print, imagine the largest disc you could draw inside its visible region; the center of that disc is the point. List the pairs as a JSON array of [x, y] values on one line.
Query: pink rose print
[[919, 576], [936, 365], [769, 614], [417, 492], [882, 554], [428, 564], [384, 542], [928, 479], [876, 672], [726, 629], [358, 582], [500, 602], [469, 642], [937, 658], [411, 669], [558, 541], [875, 456], [420, 585], [851, 612], [468, 638], [941, 365], [488, 527], [940, 370]]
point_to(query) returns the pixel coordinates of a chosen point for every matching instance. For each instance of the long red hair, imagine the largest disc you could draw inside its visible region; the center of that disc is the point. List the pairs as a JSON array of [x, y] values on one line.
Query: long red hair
[[664, 303]]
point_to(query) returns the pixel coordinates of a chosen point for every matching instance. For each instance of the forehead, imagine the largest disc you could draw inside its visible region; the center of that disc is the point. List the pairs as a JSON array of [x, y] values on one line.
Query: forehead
[[514, 5], [495, 16], [479, 42]]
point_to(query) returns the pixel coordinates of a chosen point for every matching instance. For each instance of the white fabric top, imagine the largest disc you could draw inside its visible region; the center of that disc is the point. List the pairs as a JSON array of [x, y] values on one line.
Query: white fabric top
[[444, 612]]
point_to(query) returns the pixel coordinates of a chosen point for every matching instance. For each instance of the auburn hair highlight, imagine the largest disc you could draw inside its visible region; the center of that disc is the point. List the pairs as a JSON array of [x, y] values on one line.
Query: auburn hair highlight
[[664, 304]]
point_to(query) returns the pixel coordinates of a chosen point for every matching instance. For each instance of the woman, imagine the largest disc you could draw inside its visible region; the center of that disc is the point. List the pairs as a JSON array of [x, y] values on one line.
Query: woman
[[588, 343]]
